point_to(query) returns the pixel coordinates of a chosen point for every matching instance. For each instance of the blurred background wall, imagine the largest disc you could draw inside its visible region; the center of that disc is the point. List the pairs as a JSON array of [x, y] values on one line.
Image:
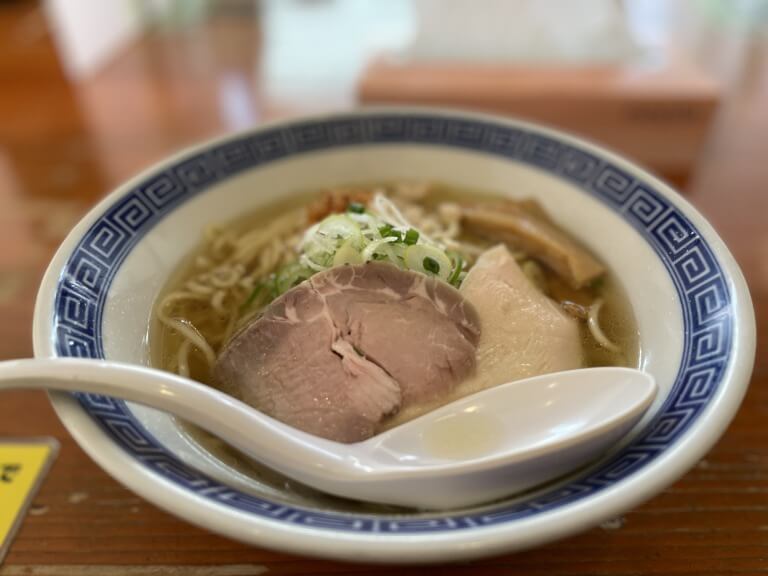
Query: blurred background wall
[[617, 71]]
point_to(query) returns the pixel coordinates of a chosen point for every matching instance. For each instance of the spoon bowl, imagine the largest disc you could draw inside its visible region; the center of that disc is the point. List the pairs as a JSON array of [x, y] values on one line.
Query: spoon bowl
[[493, 443]]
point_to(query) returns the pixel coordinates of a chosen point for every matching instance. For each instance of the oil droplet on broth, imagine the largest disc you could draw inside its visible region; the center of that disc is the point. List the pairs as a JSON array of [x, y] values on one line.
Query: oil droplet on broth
[[463, 435]]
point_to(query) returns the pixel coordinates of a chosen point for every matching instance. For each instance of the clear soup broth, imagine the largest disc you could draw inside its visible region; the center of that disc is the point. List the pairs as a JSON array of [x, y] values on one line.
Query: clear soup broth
[[194, 307]]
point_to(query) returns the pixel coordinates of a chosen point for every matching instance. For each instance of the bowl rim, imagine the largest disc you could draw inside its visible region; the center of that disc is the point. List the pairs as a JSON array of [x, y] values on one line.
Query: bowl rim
[[415, 547]]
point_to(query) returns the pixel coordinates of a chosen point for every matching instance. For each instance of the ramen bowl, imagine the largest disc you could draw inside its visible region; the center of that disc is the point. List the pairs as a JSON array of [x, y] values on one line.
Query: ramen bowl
[[693, 312]]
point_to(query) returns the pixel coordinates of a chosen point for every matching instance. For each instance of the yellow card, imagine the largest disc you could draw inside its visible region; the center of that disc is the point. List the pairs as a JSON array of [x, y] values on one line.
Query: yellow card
[[23, 465]]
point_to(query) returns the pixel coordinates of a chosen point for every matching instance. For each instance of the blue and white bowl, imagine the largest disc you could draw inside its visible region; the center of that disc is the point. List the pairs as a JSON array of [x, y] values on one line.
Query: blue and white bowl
[[690, 300]]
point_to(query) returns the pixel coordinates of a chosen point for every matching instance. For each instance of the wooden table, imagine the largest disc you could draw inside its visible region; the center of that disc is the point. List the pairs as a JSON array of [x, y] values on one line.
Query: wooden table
[[62, 146]]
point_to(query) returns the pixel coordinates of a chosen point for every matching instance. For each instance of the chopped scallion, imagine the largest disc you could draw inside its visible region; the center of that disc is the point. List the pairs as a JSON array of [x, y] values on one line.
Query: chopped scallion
[[431, 265], [387, 231], [458, 266], [252, 297], [356, 208], [411, 237], [274, 286]]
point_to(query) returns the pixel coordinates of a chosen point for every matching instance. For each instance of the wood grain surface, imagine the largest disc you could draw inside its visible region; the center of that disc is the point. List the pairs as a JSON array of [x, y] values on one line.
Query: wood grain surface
[[63, 145]]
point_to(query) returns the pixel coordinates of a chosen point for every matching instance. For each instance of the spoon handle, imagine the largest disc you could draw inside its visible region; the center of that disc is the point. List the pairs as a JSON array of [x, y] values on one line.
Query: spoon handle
[[224, 416]]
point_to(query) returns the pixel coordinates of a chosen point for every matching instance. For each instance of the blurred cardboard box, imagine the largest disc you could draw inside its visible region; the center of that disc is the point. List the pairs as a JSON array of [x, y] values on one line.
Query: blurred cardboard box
[[658, 118]]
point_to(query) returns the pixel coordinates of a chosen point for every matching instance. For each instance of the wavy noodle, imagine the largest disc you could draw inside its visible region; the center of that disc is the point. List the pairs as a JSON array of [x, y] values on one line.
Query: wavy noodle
[[593, 322], [222, 244], [207, 309], [182, 359], [190, 333], [199, 287], [217, 302]]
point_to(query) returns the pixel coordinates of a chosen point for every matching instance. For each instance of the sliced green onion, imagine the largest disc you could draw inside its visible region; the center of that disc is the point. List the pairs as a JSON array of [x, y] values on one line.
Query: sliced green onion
[[252, 297], [428, 260], [387, 231], [289, 276], [411, 236], [358, 236], [459, 265], [274, 289], [347, 254], [338, 226], [431, 265], [321, 244], [377, 246]]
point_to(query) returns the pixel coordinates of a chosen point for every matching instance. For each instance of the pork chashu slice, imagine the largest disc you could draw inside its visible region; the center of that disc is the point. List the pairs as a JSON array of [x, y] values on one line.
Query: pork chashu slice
[[524, 332], [338, 353]]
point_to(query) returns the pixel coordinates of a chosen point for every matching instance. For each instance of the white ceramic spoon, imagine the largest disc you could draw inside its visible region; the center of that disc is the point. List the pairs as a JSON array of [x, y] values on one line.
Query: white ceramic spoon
[[481, 447]]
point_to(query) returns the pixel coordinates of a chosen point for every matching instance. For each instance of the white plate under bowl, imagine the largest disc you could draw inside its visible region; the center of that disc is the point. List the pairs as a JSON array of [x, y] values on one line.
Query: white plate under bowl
[[690, 300]]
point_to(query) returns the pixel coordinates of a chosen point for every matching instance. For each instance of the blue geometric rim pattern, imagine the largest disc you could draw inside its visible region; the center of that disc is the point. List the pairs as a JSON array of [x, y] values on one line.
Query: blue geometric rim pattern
[[692, 266]]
